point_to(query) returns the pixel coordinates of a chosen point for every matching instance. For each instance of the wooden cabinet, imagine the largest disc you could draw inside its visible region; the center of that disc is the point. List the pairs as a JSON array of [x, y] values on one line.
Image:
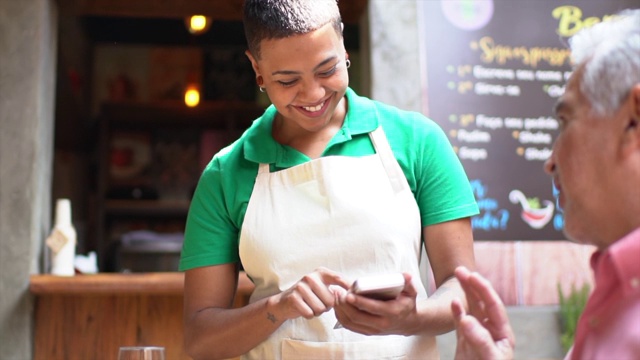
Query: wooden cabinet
[[91, 316], [150, 158]]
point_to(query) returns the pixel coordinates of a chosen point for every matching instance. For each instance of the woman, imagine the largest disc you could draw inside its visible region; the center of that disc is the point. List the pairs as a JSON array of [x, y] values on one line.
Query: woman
[[325, 187]]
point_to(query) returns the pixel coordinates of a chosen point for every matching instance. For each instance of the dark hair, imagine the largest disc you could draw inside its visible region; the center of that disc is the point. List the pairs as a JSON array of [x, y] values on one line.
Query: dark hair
[[277, 19]]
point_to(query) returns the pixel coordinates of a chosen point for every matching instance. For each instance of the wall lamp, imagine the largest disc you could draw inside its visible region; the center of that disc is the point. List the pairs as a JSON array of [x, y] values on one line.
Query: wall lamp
[[197, 24]]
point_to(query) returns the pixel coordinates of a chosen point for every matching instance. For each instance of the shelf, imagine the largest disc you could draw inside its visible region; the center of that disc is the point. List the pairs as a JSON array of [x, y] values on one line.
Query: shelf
[[147, 207], [161, 142], [175, 113]]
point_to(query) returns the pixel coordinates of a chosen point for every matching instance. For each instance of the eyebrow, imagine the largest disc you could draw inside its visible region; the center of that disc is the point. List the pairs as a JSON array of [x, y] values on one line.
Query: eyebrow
[[291, 72]]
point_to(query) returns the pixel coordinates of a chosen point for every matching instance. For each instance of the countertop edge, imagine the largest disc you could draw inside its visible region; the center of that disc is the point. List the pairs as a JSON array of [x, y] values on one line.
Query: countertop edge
[[159, 283]]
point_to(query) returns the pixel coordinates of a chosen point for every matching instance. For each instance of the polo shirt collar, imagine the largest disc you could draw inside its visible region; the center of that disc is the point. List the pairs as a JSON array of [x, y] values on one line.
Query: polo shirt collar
[[624, 257], [260, 147]]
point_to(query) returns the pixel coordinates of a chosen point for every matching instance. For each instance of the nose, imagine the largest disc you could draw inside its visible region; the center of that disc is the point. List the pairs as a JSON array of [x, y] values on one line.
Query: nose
[[550, 165], [312, 91]]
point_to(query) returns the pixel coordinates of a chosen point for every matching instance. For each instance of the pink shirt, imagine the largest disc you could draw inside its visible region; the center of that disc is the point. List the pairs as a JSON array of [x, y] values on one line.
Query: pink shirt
[[609, 327]]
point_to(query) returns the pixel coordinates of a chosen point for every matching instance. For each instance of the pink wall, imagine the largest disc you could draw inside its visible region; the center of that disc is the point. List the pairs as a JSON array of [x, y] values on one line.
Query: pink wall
[[528, 272]]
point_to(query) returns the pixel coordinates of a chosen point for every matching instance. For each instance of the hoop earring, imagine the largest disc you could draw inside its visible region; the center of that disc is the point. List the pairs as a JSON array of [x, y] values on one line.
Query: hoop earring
[[260, 81], [348, 63]]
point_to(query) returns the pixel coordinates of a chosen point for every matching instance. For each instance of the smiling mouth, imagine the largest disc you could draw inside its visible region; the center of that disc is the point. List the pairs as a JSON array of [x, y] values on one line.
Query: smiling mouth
[[313, 108]]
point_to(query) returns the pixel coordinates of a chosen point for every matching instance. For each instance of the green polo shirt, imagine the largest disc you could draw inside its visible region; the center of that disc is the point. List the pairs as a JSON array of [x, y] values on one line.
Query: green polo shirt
[[433, 171]]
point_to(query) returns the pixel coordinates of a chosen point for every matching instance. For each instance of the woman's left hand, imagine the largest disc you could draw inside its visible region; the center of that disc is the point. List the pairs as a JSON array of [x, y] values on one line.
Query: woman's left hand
[[378, 317]]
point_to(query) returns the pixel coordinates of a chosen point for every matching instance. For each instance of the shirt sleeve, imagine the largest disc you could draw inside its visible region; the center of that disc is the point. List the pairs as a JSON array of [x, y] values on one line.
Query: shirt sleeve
[[442, 187], [211, 237]]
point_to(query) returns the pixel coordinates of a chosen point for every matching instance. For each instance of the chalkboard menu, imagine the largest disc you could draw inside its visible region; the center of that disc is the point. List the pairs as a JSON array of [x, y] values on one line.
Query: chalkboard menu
[[492, 72]]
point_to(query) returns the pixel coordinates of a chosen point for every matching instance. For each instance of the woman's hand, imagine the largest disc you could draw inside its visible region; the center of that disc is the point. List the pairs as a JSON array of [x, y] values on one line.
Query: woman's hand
[[311, 296], [485, 332], [377, 317]]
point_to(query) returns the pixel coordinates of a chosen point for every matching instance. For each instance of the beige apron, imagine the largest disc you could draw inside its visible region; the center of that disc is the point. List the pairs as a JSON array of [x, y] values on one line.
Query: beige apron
[[354, 215]]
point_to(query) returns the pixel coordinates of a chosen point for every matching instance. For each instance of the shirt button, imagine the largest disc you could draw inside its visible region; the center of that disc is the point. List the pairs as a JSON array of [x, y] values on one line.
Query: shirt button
[[635, 283]]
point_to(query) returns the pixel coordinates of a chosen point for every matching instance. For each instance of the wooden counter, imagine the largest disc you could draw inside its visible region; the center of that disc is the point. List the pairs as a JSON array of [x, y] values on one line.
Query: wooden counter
[[91, 316]]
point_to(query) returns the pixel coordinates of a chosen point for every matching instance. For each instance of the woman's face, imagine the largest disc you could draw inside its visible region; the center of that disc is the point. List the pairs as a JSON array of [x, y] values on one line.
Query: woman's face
[[305, 77]]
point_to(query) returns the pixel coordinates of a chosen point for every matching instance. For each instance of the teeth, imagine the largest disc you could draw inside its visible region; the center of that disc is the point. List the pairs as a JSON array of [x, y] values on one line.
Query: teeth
[[313, 108]]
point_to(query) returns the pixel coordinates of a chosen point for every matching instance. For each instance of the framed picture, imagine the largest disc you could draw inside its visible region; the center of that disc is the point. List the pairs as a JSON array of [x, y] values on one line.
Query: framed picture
[[130, 155]]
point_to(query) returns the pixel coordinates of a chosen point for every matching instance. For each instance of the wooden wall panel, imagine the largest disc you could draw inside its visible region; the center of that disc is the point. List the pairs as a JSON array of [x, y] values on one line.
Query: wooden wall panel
[[547, 264], [496, 261], [528, 272]]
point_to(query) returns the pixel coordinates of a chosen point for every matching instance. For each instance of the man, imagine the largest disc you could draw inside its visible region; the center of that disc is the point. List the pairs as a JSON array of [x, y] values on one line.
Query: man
[[595, 166]]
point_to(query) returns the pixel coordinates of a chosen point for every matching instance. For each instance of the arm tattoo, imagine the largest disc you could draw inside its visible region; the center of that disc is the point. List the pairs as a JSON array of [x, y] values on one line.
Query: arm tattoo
[[271, 317]]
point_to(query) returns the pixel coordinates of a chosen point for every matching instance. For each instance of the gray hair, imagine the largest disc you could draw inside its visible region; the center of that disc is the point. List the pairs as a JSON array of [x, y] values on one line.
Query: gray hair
[[277, 19], [610, 51]]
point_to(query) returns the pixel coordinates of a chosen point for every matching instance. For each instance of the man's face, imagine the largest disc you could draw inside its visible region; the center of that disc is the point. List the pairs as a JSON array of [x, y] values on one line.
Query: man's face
[[584, 166]]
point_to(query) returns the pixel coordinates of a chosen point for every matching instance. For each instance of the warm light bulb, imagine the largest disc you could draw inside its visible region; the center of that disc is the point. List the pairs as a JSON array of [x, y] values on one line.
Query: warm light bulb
[[198, 24], [192, 97]]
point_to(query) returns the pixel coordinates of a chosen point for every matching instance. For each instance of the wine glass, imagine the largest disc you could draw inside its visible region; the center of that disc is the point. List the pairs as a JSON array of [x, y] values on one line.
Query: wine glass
[[141, 353]]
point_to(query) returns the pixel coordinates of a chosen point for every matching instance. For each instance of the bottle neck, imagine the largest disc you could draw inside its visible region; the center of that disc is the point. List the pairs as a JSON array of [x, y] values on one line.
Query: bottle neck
[[63, 212]]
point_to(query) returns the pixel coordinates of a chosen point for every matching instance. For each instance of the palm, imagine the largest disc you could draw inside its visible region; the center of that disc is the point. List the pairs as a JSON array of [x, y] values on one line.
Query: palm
[[485, 332]]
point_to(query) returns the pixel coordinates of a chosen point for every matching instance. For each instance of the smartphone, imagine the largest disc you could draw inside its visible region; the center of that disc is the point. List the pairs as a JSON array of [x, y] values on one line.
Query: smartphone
[[379, 287]]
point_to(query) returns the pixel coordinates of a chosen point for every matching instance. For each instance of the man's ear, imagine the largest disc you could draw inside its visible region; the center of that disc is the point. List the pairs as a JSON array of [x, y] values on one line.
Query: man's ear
[[253, 61], [635, 98], [631, 137]]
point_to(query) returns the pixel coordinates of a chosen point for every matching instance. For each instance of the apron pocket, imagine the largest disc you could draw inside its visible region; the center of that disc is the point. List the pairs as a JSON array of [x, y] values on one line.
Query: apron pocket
[[379, 349]]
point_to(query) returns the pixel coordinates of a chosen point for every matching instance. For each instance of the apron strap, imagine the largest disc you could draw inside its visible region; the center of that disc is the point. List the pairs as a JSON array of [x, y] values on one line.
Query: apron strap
[[389, 162], [264, 169]]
